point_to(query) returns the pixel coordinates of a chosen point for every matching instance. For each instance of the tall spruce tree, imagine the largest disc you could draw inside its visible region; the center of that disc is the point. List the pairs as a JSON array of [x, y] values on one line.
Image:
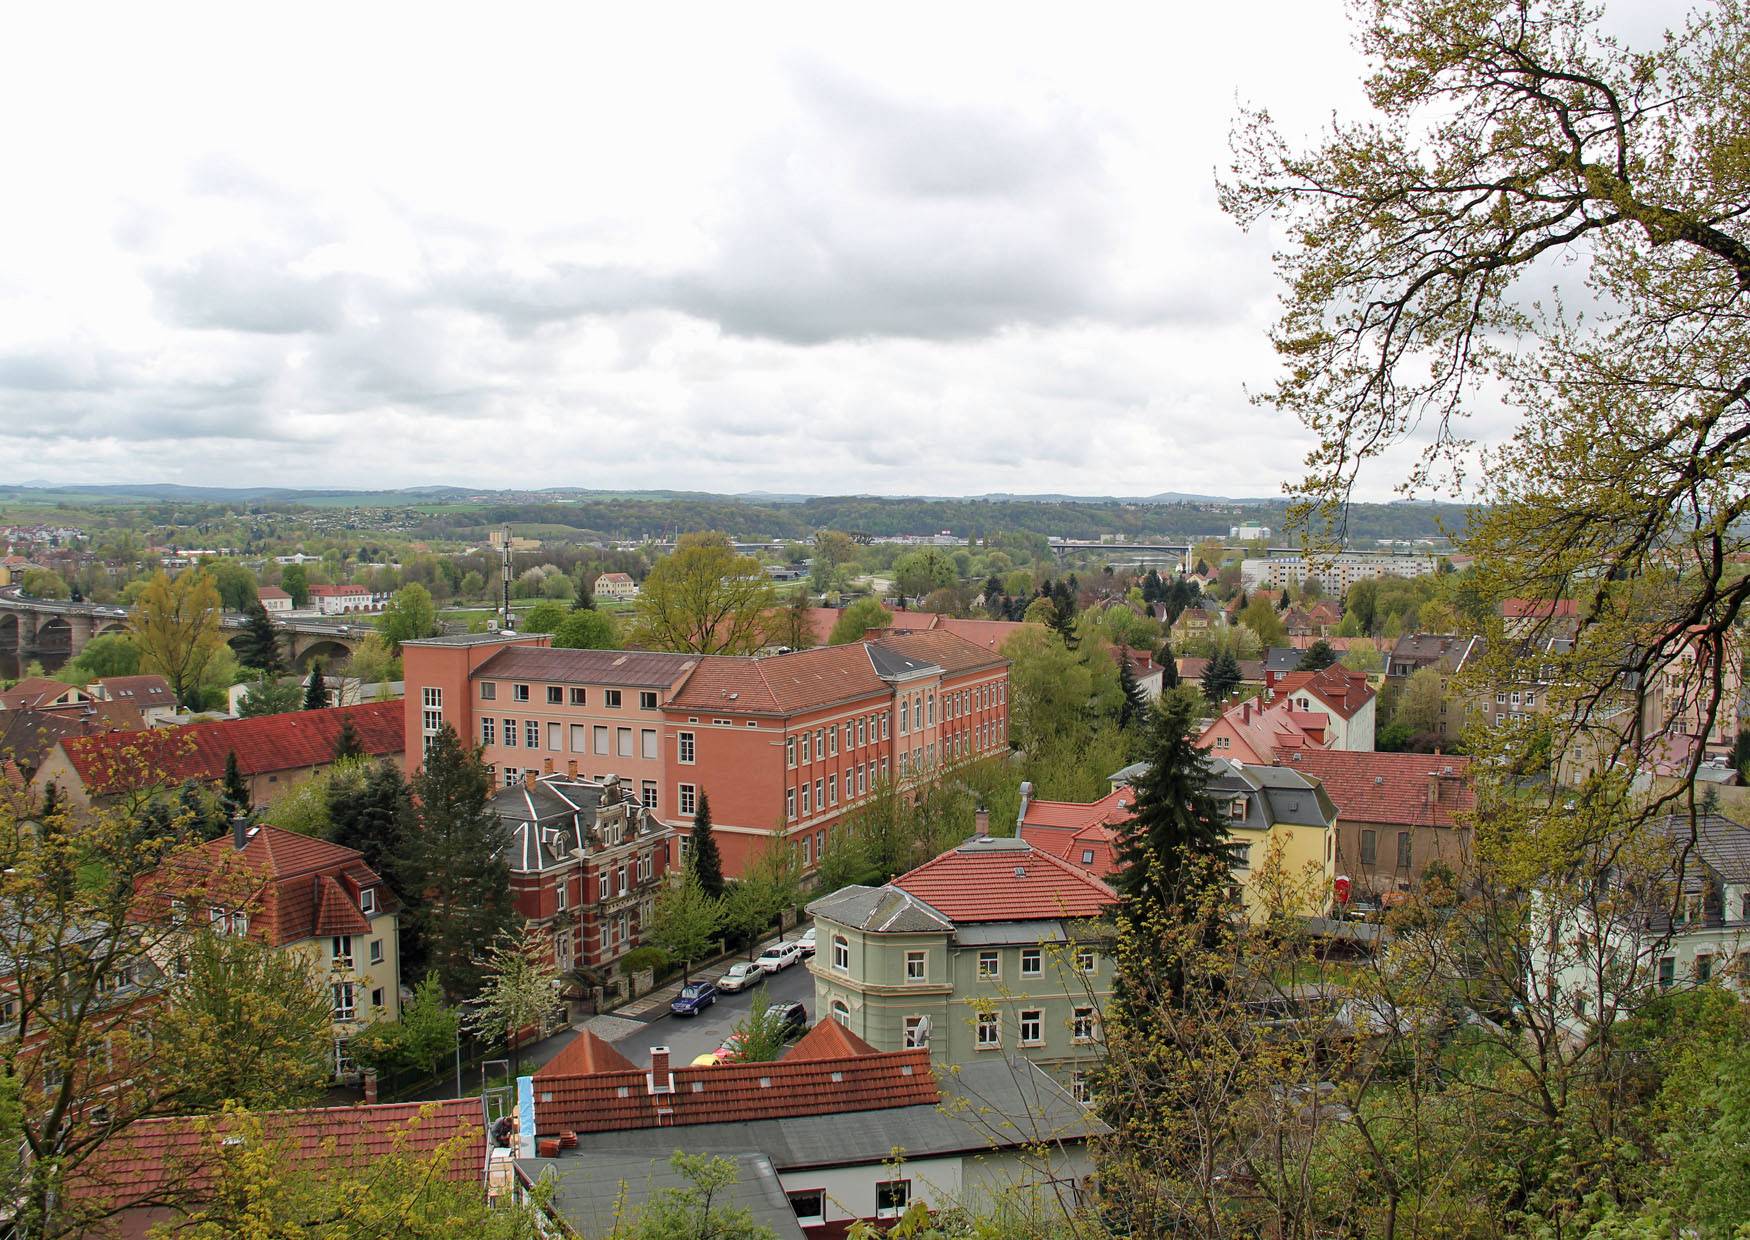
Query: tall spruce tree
[[348, 744], [1133, 707], [581, 598], [316, 692], [703, 859], [1221, 676], [1177, 835], [453, 871], [235, 792], [373, 814], [1169, 667], [259, 646], [1318, 656]]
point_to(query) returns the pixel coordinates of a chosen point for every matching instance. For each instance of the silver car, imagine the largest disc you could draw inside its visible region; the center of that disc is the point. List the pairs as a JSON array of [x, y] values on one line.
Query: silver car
[[740, 976]]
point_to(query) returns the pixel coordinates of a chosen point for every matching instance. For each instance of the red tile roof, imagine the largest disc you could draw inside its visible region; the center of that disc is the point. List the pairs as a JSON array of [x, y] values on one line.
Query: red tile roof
[[308, 887], [156, 1159], [584, 1055], [336, 591], [273, 592], [1000, 882], [33, 692], [806, 680], [136, 690], [1265, 732], [297, 739], [828, 1040], [613, 1099], [1393, 788], [1344, 692]]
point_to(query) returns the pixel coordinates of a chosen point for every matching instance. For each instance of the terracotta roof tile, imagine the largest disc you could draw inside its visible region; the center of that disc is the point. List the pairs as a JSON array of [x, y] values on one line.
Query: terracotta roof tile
[[806, 680], [1391, 787], [653, 669], [297, 739], [607, 1101], [152, 1159], [584, 1055], [828, 1040], [1343, 692], [999, 881]]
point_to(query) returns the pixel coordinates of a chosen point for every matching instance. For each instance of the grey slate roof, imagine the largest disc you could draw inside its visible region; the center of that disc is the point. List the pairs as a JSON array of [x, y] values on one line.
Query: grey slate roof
[[1282, 659], [985, 1105], [1273, 794], [1721, 845], [890, 664], [649, 669], [880, 909], [587, 1191], [556, 815]]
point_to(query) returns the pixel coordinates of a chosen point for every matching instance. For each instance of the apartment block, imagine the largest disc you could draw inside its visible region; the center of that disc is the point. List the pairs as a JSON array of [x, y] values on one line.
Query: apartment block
[[783, 745]]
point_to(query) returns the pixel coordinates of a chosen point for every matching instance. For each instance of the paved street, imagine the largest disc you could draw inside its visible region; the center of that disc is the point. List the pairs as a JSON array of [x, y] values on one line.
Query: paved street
[[687, 1036]]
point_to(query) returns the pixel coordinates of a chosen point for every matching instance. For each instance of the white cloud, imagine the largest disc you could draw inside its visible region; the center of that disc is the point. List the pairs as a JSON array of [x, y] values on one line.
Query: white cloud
[[783, 248]]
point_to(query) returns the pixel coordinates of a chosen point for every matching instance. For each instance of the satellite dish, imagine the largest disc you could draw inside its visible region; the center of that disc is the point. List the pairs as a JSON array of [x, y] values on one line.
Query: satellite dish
[[920, 1035]]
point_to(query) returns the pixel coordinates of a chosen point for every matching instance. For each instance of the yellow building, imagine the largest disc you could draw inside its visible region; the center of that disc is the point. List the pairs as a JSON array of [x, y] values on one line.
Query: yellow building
[[311, 898], [1288, 826]]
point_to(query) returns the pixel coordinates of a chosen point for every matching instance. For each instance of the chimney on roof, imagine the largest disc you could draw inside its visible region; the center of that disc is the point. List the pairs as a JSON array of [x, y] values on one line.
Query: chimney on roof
[[571, 767], [981, 821], [239, 832], [529, 778], [661, 1079], [1026, 796]]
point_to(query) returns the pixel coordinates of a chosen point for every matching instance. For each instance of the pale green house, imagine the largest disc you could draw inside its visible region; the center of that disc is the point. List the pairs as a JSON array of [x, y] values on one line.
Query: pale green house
[[995, 949]]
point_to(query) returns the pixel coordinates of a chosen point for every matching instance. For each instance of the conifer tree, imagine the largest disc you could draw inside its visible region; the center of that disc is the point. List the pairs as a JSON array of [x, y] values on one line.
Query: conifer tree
[[703, 860], [1169, 667], [348, 744], [373, 815], [1176, 832], [1221, 676], [582, 599], [1318, 656], [316, 692], [260, 645], [235, 792], [1133, 708], [452, 868]]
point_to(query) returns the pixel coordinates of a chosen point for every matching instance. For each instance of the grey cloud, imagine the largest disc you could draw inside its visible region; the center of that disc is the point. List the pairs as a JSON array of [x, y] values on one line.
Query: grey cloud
[[248, 292]]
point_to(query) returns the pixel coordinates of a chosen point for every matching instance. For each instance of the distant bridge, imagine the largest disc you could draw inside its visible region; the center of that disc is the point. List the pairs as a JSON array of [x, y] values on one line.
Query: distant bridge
[[55, 626]]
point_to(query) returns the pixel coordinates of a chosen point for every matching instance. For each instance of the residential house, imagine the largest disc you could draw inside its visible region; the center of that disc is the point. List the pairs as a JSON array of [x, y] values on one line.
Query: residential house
[[1252, 674], [1148, 674], [42, 693], [1535, 617], [990, 950], [1398, 813], [308, 897], [1334, 573], [148, 696], [1673, 911], [1202, 617], [1445, 652], [1342, 696], [586, 860], [784, 745], [274, 753], [1264, 732], [1279, 661], [833, 1132], [1320, 619], [1084, 834], [618, 587], [1681, 690], [274, 600], [1284, 828]]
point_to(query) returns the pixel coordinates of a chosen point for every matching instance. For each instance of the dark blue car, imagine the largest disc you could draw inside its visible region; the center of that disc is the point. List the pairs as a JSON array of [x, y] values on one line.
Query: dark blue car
[[693, 999]]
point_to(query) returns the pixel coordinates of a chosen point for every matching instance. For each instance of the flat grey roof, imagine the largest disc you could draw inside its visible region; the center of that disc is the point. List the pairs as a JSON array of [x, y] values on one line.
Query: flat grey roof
[[588, 1191]]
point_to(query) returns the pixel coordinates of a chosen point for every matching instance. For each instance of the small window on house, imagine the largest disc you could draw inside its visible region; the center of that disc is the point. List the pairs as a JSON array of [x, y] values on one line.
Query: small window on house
[[990, 965], [914, 1026], [1403, 850], [1085, 959], [807, 747], [689, 799], [1079, 1087], [647, 794], [519, 693], [488, 691], [1667, 972], [647, 743], [240, 923], [611, 698], [376, 954], [1032, 1027], [1369, 847], [789, 803], [600, 735], [532, 733], [841, 954], [917, 966], [686, 749], [555, 695], [1031, 962], [790, 751], [510, 733], [892, 1197], [646, 699], [489, 731], [579, 697], [1084, 1025], [377, 997], [841, 1012], [808, 1205], [1087, 856], [990, 1033], [368, 901]]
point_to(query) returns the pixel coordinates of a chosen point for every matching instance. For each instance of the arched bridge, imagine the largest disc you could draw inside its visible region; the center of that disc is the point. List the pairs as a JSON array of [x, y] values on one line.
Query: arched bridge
[[31, 626]]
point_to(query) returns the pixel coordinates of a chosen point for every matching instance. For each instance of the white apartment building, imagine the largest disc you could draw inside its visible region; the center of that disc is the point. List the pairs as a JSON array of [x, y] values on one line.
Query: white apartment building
[[1335, 574]]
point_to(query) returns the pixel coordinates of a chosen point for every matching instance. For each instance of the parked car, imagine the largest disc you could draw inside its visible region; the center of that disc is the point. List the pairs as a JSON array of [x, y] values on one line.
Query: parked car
[[694, 998], [806, 942], [779, 956], [792, 1018], [707, 1060], [740, 976]]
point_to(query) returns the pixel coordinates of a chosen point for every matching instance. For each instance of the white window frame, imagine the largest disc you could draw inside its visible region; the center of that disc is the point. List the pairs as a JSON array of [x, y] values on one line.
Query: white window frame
[[841, 954], [922, 961], [987, 1032], [1030, 1027]]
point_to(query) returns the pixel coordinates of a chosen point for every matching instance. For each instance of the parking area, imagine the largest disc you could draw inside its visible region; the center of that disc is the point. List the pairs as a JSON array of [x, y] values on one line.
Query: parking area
[[688, 1036]]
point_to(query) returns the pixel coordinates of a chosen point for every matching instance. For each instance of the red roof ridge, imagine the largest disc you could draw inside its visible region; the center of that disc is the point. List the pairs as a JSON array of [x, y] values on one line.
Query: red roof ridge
[[585, 1055], [828, 1040]]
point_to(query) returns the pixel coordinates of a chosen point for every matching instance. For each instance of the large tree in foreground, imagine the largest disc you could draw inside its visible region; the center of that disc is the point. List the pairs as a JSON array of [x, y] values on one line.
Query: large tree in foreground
[[1509, 137], [706, 597]]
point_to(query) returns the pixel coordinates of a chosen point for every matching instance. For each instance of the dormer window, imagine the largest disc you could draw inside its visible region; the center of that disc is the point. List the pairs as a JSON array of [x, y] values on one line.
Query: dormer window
[[368, 901]]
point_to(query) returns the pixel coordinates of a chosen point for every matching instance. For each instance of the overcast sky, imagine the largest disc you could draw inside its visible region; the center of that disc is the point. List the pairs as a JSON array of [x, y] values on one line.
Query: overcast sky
[[947, 249]]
